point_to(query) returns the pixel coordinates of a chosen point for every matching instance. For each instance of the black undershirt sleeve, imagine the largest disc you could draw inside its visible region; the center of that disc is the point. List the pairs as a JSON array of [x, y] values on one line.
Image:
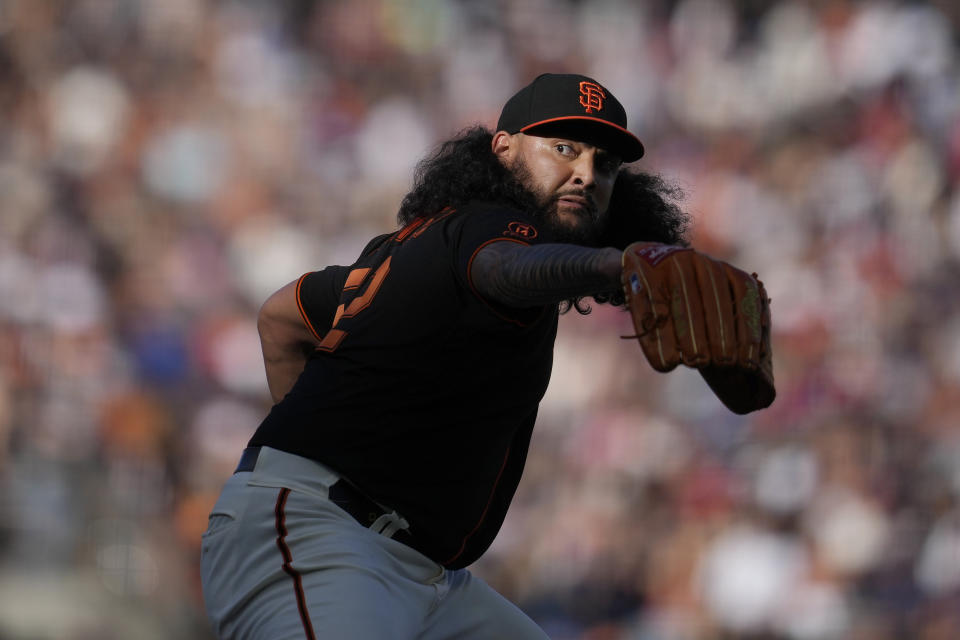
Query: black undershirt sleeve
[[521, 276]]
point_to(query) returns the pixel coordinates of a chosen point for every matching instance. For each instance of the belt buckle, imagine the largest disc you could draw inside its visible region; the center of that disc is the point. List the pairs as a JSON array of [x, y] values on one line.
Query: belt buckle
[[366, 511]]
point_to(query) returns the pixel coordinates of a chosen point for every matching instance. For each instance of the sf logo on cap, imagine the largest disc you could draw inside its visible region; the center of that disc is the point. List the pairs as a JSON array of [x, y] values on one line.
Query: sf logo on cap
[[592, 96]]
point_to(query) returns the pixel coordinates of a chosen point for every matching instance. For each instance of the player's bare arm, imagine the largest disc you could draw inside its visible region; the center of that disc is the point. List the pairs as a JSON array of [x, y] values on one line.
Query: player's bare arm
[[285, 340], [517, 275]]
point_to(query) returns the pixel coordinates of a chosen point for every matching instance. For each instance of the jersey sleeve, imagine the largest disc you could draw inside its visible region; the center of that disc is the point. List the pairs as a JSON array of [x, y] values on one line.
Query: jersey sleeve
[[318, 295], [485, 225]]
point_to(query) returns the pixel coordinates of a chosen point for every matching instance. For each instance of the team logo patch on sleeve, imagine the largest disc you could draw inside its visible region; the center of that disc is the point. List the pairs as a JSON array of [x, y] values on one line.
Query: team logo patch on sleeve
[[521, 230]]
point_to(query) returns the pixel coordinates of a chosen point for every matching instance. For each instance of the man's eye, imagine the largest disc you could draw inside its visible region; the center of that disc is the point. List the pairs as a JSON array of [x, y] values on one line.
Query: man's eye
[[564, 149]]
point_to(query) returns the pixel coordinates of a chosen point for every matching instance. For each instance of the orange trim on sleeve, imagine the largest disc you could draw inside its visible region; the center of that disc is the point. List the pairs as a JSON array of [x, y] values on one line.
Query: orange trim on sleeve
[[303, 312]]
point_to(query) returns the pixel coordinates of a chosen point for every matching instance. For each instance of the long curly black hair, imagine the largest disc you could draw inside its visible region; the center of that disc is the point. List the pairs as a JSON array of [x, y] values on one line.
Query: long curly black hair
[[464, 169]]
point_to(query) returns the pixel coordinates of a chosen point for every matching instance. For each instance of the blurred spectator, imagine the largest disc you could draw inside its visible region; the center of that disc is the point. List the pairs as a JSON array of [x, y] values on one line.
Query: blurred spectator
[[164, 166]]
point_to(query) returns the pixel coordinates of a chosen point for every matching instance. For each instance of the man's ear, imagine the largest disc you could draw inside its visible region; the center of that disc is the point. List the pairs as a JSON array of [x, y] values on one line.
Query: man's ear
[[504, 146]]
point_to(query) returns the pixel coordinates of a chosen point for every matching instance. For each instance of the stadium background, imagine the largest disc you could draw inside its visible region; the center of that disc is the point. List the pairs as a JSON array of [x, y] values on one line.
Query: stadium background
[[165, 165]]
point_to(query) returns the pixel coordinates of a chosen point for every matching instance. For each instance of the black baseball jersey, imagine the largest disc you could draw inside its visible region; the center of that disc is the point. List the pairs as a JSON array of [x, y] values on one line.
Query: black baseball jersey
[[422, 393]]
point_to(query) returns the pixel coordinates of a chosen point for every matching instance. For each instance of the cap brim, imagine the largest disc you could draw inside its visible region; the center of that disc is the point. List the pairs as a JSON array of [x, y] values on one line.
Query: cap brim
[[603, 133]]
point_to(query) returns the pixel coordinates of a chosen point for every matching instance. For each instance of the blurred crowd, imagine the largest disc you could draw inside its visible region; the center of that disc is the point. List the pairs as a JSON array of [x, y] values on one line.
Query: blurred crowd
[[166, 164]]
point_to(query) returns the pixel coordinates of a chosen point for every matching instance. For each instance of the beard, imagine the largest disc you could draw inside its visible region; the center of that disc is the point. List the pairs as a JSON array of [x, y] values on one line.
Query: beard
[[586, 228]]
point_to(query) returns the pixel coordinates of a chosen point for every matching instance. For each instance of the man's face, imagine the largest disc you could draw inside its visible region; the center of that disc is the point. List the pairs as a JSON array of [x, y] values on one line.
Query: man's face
[[572, 179]]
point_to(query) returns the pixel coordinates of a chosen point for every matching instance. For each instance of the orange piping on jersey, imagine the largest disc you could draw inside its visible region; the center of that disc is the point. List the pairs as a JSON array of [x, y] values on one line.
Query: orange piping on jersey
[[355, 279], [407, 230], [474, 289], [483, 516], [303, 312]]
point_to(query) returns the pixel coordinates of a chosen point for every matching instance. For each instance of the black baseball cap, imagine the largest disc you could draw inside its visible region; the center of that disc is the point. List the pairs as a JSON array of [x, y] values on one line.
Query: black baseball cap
[[571, 103]]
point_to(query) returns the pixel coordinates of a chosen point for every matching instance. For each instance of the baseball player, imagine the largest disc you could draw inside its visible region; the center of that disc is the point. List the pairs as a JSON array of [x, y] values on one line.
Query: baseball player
[[407, 384]]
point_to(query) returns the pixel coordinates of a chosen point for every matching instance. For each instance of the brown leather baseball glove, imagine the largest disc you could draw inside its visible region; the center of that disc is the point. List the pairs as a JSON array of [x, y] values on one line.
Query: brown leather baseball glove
[[691, 309]]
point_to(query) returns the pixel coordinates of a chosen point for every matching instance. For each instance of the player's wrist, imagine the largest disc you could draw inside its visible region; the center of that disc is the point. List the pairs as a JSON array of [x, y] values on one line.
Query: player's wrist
[[610, 264]]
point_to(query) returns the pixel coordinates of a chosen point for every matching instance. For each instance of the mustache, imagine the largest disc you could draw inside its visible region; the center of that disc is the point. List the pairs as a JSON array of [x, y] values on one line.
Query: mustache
[[588, 197]]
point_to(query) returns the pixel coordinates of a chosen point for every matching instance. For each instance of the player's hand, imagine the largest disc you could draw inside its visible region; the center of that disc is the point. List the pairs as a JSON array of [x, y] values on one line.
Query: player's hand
[[691, 309]]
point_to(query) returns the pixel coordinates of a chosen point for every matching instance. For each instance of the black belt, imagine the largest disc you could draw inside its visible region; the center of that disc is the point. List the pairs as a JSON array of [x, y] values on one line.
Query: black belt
[[341, 493]]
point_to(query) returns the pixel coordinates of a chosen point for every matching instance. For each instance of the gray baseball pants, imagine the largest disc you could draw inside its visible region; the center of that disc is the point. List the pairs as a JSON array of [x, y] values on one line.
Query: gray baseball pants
[[280, 561]]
